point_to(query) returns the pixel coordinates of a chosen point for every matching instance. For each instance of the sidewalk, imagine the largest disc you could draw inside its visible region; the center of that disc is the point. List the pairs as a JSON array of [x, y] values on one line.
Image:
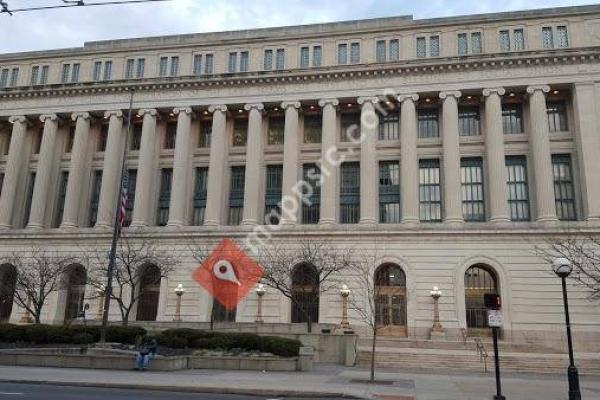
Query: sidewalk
[[325, 381]]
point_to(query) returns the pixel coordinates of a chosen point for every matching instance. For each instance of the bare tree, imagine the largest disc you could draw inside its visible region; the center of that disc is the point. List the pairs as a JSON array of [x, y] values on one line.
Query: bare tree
[[584, 254], [321, 262], [38, 274], [132, 257]]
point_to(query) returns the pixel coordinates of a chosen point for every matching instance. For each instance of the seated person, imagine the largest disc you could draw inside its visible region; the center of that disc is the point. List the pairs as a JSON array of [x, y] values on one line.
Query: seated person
[[146, 352]]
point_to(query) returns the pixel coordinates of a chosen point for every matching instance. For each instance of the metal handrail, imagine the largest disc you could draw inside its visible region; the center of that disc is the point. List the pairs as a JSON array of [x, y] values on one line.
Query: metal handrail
[[483, 355]]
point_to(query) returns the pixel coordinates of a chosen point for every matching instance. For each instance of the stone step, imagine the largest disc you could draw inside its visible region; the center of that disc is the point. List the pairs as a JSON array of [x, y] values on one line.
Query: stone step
[[391, 342]]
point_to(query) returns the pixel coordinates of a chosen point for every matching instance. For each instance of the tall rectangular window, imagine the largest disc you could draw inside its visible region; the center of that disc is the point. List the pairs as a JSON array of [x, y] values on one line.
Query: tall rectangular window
[[317, 56], [107, 70], [350, 193], [141, 66], [468, 121], [380, 51], [232, 63], [1, 181], [394, 50], [389, 192], [389, 126], [102, 138], [95, 199], [268, 60], [70, 139], [512, 118], [163, 66], [28, 199], [164, 196], [273, 194], [4, 77], [564, 189], [557, 116], [208, 64], [129, 68], [205, 134], [14, 77], [240, 131], [244, 61], [504, 40], [280, 59], [311, 192], [236, 195], [313, 127], [197, 66], [519, 39], [473, 203], [44, 76], [75, 73], [35, 72], [434, 46], [421, 47], [97, 71], [342, 54], [428, 124], [518, 188], [170, 135], [350, 127], [476, 43], [60, 203], [276, 130], [131, 185], [355, 53], [463, 45], [136, 137], [563, 36], [547, 37], [200, 195], [304, 56], [66, 72], [174, 66], [430, 196]]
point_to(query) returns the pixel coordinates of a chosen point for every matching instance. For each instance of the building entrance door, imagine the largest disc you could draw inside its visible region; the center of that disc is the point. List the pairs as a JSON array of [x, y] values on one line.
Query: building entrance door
[[390, 295]]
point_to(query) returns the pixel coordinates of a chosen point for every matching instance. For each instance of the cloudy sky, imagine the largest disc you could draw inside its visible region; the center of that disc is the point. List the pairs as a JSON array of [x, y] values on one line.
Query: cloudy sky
[[71, 27]]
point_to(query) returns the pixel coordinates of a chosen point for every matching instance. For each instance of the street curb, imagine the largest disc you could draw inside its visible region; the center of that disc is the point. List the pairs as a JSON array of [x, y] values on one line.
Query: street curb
[[189, 389]]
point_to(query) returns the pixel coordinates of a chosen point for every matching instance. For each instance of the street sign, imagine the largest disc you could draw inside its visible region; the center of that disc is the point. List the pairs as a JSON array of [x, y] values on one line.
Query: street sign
[[495, 319]]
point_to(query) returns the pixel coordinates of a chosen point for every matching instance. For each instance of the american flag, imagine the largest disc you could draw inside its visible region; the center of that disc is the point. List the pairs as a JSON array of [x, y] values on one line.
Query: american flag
[[123, 201]]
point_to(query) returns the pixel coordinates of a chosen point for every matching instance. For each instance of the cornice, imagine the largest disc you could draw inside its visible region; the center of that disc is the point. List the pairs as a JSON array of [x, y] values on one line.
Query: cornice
[[332, 73]]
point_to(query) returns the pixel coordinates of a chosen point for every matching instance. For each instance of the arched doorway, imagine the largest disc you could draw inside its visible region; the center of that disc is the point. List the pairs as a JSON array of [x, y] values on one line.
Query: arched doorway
[[390, 300], [8, 283], [76, 279], [479, 280], [149, 292], [305, 294]]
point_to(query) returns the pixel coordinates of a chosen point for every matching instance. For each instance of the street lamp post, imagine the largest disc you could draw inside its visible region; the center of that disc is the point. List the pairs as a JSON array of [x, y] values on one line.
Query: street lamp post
[[344, 292], [436, 330], [179, 291], [260, 292], [563, 268]]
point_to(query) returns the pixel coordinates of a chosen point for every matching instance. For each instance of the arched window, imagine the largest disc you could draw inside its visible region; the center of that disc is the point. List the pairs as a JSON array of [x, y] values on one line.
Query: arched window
[[479, 280], [305, 294], [147, 307], [390, 300], [8, 282], [76, 279]]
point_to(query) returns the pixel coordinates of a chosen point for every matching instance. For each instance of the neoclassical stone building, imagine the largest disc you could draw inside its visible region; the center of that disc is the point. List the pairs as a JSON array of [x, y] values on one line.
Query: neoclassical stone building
[[486, 145]]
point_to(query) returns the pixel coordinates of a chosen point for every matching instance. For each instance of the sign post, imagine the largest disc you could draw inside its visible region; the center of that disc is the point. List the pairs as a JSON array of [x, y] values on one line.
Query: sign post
[[495, 322]]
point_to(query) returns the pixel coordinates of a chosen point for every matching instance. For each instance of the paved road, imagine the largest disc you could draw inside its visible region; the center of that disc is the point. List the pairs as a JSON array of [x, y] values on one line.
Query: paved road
[[11, 391]]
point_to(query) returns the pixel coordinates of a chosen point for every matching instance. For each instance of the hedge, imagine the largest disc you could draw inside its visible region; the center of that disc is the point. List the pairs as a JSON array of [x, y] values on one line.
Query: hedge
[[76, 334], [198, 339]]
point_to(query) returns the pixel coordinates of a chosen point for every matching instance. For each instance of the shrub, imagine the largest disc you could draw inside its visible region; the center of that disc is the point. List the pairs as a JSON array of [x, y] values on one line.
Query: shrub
[[54, 334], [83, 338]]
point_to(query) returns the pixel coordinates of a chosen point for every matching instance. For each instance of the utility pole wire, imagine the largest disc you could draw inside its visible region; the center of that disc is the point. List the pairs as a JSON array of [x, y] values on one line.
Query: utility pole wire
[[67, 4]]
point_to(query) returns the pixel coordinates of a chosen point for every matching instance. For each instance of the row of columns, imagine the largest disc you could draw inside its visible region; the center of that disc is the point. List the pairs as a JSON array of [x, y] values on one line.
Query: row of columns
[[147, 164]]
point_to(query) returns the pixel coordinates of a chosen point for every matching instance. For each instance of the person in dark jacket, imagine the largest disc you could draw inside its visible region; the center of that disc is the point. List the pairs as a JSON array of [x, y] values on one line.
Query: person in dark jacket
[[146, 352]]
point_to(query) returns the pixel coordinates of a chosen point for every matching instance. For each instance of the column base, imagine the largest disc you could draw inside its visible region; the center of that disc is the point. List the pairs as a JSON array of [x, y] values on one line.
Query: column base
[[410, 223], [69, 225], [175, 224], [135, 224], [327, 221], [367, 221], [5, 227], [437, 334], [99, 226], [593, 219], [249, 222], [500, 220], [211, 223], [454, 222], [547, 220], [34, 227]]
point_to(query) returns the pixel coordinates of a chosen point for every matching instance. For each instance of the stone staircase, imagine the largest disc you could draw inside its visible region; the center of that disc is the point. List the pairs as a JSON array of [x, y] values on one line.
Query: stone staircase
[[408, 354]]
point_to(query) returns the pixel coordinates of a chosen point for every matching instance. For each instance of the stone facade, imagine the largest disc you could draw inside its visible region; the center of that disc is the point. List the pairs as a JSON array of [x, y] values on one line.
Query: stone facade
[[464, 105]]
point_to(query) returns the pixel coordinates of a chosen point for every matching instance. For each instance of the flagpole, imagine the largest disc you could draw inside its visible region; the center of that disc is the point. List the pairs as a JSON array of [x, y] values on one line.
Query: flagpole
[[116, 228]]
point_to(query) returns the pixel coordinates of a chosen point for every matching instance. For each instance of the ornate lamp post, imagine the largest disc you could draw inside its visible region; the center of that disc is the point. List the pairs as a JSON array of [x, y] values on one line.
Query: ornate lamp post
[[260, 292], [344, 292], [179, 291], [436, 329], [562, 268]]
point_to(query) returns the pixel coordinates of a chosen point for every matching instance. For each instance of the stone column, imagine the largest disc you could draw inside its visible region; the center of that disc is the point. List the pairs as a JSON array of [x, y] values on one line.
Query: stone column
[[14, 165], [146, 170], [45, 170], [409, 160], [217, 166], [291, 151], [369, 168], [588, 142], [494, 150], [253, 215], [329, 162], [451, 159], [111, 175], [542, 157], [181, 167], [77, 170]]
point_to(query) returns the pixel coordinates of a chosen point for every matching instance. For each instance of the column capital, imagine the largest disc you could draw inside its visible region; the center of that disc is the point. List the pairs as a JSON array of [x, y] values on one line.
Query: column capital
[[451, 93], [254, 106], [217, 107], [150, 111], [184, 110], [287, 104], [402, 97], [83, 115], [113, 113], [21, 119], [500, 91], [534, 88], [368, 99], [333, 102], [51, 117]]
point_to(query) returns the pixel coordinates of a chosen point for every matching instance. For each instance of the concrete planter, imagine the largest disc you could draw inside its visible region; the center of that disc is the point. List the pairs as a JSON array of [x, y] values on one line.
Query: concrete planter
[[244, 363]]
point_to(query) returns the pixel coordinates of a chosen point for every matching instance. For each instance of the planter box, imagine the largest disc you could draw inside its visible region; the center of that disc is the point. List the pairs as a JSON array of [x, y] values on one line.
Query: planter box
[[244, 363]]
